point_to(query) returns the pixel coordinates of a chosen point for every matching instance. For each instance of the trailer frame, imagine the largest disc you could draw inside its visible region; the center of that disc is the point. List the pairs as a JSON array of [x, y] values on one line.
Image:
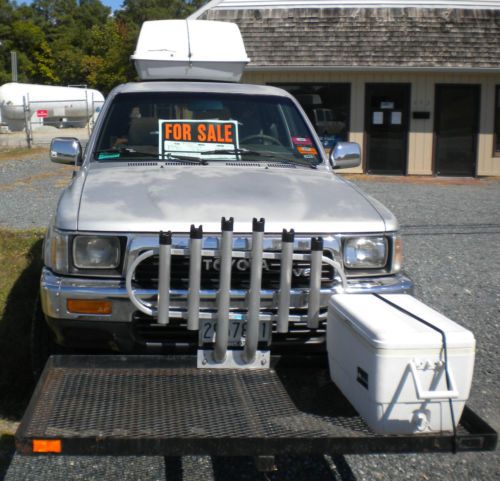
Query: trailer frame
[[121, 405]]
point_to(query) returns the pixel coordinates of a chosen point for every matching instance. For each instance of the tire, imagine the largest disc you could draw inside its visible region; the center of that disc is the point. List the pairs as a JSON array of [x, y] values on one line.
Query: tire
[[42, 341]]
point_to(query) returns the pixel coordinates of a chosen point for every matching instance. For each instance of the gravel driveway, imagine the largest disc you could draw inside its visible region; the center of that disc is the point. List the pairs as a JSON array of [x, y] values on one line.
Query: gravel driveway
[[452, 249], [29, 190]]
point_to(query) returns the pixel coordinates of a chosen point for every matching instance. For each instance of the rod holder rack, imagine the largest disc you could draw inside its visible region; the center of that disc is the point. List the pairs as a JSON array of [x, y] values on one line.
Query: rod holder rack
[[226, 254]]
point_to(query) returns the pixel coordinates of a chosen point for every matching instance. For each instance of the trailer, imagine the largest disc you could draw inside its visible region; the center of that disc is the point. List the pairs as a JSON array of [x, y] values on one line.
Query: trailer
[[165, 405]]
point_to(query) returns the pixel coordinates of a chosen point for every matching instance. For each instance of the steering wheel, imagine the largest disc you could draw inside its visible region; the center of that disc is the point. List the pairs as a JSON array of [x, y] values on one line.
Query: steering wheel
[[263, 137]]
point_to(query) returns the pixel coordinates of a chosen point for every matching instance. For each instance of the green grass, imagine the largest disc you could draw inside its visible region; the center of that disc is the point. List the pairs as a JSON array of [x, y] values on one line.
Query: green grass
[[20, 261], [20, 258]]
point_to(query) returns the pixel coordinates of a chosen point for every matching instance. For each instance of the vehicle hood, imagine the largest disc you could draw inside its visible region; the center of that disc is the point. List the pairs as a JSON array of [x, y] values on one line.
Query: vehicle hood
[[118, 198]]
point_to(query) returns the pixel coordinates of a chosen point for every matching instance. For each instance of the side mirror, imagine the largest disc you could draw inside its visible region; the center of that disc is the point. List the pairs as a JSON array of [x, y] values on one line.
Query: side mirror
[[345, 155], [66, 150]]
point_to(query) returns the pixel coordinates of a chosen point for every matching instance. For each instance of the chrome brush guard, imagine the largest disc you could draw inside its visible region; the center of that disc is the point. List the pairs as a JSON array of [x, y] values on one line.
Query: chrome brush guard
[[221, 355]]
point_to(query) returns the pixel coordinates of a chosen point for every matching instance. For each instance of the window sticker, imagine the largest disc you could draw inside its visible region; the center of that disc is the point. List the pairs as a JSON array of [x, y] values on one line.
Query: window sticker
[[307, 150], [301, 141], [108, 155], [192, 137]]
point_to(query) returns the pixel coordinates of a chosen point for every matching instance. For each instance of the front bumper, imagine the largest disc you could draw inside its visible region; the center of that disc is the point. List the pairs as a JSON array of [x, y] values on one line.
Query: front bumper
[[56, 290]]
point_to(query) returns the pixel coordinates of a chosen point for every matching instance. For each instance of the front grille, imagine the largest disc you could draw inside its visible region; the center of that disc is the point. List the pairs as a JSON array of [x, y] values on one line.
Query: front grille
[[175, 336], [146, 274]]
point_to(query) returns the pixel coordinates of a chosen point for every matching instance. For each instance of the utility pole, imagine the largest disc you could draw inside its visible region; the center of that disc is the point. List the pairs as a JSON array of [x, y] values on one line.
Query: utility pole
[[13, 63]]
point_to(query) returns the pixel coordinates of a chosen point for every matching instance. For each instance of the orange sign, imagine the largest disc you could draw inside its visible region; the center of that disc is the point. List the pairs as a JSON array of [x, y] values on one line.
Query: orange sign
[[201, 132]]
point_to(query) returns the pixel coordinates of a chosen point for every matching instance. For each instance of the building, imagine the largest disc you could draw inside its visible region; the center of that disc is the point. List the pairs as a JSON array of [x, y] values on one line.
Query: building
[[416, 84]]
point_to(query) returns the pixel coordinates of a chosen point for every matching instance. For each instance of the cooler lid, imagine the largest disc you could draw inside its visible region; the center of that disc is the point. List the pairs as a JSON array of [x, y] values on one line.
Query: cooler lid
[[386, 327]]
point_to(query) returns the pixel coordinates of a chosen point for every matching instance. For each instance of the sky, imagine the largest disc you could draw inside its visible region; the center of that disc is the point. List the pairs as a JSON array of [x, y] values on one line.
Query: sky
[[114, 4]]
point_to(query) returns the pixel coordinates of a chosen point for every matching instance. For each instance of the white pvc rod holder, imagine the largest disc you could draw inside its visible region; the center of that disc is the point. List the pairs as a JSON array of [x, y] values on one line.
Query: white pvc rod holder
[[165, 258], [252, 331], [195, 241], [287, 240], [315, 283], [224, 295]]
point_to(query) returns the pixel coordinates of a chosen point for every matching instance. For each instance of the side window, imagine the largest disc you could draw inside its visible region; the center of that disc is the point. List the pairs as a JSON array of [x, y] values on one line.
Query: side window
[[274, 126], [297, 129]]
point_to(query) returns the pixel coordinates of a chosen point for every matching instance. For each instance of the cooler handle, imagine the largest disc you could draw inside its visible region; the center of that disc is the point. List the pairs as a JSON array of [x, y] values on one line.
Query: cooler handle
[[422, 395]]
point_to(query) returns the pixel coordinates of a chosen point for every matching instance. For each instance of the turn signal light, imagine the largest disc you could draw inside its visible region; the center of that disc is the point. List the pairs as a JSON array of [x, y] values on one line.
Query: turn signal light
[[82, 306], [47, 446], [398, 254]]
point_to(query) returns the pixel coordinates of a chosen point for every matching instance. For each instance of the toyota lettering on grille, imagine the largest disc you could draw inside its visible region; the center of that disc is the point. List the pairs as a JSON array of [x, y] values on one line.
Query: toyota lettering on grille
[[243, 265]]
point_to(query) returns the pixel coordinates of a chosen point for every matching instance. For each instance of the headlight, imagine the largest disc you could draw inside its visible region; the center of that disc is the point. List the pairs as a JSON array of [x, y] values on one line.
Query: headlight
[[55, 255], [365, 252], [96, 252]]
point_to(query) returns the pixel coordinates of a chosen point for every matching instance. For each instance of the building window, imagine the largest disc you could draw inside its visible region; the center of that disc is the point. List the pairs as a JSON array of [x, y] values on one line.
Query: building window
[[496, 139], [328, 107]]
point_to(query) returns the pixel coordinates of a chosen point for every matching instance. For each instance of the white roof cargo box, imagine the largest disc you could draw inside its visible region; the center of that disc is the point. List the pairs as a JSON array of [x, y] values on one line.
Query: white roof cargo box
[[190, 50]]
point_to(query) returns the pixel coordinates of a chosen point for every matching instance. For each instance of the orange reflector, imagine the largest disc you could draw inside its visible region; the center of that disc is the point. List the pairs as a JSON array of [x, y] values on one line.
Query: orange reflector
[[81, 306], [47, 446]]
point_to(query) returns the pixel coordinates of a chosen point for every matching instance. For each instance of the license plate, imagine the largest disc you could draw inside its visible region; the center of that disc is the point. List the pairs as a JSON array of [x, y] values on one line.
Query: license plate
[[237, 332]]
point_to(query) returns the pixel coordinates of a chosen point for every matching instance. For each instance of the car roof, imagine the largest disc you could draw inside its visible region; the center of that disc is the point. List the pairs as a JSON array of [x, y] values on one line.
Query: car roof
[[189, 86]]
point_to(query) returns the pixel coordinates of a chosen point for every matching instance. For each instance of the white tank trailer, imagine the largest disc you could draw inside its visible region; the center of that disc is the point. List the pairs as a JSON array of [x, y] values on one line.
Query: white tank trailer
[[48, 105]]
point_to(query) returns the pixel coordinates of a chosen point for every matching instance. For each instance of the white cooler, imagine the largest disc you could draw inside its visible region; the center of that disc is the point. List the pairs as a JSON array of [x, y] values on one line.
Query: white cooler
[[391, 366]]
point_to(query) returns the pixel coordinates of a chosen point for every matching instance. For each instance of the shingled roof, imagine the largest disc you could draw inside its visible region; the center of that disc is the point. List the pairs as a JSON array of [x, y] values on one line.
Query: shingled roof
[[371, 38]]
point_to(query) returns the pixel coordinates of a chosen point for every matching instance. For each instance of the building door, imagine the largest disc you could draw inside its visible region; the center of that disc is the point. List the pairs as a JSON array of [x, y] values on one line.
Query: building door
[[387, 109], [456, 129]]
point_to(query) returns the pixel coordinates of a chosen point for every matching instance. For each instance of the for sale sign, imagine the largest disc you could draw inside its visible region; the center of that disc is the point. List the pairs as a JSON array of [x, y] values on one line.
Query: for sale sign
[[42, 114], [196, 137]]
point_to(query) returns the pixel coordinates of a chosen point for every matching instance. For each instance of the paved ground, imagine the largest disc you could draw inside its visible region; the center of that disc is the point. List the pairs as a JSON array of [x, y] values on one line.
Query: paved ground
[[41, 136], [452, 244]]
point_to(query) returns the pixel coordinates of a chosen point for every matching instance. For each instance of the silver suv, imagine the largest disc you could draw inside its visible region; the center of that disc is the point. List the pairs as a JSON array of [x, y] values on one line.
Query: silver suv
[[196, 161]]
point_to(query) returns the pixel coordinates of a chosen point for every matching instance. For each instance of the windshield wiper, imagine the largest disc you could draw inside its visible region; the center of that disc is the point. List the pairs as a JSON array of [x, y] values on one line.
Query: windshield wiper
[[264, 153], [185, 158]]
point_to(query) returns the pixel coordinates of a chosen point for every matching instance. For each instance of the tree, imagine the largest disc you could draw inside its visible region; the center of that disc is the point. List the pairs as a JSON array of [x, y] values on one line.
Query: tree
[[78, 41], [105, 66], [35, 58], [7, 17], [138, 11]]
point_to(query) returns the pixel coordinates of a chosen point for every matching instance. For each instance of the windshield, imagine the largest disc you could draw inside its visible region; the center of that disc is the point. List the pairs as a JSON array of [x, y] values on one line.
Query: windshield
[[205, 127]]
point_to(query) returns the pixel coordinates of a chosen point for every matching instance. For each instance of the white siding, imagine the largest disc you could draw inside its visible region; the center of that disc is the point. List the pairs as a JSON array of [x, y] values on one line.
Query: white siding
[[423, 86]]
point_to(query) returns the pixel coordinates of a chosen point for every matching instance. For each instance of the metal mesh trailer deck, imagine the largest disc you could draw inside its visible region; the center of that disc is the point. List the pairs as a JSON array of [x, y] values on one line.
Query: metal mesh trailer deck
[[165, 405]]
